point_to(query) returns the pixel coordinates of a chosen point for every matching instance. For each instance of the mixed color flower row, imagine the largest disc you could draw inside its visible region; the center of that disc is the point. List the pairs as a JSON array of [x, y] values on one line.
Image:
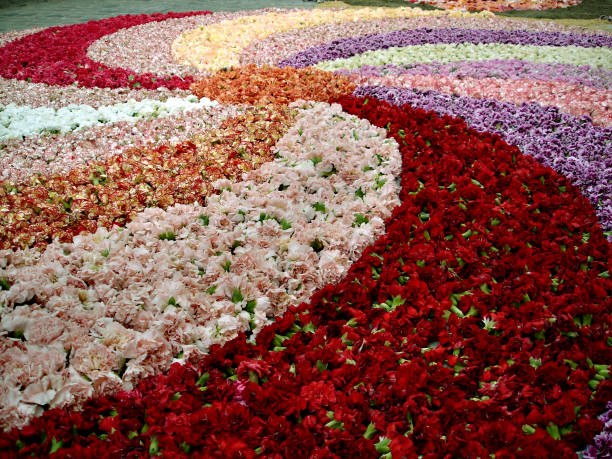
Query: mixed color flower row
[[212, 48], [496, 5], [418, 59], [199, 275], [437, 342], [265, 252], [111, 192]]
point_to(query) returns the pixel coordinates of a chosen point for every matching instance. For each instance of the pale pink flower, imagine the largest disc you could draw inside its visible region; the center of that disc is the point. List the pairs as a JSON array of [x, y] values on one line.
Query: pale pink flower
[[148, 299]]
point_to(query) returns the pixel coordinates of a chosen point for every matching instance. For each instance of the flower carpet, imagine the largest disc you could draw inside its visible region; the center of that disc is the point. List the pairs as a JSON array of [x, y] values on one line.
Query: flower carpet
[[327, 233], [494, 5]]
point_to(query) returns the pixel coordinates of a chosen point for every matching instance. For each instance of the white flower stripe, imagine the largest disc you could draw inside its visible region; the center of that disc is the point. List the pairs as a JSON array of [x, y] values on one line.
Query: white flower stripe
[[23, 121]]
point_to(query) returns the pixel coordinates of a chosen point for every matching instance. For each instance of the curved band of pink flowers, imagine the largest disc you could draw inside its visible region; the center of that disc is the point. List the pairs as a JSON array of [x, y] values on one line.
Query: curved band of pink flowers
[[367, 232]]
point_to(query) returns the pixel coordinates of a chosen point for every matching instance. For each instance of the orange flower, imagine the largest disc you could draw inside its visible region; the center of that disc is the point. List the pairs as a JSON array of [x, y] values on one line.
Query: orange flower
[[271, 85]]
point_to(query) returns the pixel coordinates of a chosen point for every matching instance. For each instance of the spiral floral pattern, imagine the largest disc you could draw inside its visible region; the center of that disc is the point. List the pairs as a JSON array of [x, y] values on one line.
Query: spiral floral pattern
[[376, 232]]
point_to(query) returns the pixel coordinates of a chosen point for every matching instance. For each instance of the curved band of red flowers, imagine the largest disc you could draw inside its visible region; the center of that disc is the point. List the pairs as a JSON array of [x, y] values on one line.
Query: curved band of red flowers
[[371, 232]]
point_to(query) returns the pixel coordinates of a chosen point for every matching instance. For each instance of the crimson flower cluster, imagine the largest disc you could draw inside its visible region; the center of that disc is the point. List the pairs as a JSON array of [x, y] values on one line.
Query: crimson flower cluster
[[58, 56], [478, 324]]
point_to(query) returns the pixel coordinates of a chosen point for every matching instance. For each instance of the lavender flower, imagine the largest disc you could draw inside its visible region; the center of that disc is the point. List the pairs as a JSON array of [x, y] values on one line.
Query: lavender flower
[[602, 443], [347, 47]]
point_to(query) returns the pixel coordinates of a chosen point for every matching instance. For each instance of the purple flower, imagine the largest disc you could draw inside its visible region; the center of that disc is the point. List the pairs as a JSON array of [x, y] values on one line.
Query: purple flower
[[347, 47], [602, 443]]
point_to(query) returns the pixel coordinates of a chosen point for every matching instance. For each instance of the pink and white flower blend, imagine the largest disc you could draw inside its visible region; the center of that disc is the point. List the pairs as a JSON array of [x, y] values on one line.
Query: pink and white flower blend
[[113, 307]]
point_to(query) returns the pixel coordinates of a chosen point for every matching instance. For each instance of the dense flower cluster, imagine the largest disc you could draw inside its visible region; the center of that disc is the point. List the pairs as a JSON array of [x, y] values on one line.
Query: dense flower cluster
[[444, 53], [603, 442], [476, 325], [421, 270], [348, 47], [23, 121], [110, 192], [279, 46], [270, 85], [146, 48], [573, 147], [507, 69], [58, 56], [199, 274], [576, 100], [61, 153], [220, 45], [20, 92], [497, 5]]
